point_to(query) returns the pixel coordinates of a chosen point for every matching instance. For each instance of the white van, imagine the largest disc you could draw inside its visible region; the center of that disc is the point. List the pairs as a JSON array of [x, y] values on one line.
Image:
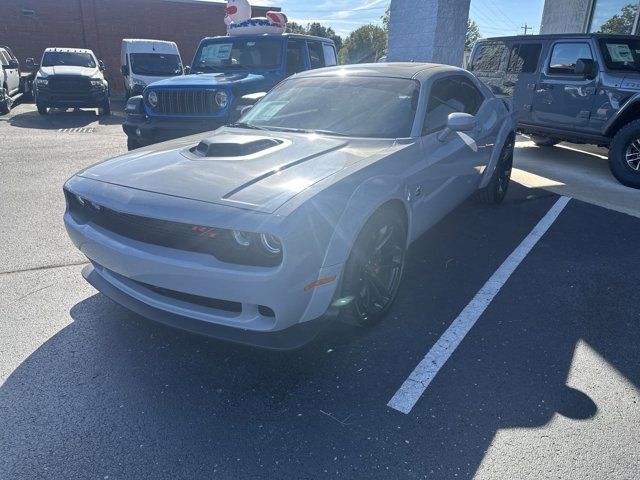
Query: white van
[[147, 61]]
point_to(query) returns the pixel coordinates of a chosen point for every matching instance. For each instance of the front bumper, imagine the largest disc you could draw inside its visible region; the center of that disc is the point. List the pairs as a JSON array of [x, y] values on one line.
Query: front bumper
[[93, 99], [147, 130], [168, 285]]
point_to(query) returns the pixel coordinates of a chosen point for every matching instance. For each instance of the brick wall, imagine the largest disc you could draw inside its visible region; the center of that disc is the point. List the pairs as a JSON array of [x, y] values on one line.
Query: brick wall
[[30, 26]]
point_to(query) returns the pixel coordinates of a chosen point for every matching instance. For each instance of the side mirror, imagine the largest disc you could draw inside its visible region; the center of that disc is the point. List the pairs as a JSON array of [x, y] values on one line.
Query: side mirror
[[13, 64], [101, 65], [458, 122], [187, 70], [125, 70], [586, 67], [30, 63], [245, 109]]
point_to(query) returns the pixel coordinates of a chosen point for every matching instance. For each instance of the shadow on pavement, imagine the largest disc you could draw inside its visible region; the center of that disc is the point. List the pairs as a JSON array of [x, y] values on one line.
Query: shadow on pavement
[[69, 118], [115, 395]]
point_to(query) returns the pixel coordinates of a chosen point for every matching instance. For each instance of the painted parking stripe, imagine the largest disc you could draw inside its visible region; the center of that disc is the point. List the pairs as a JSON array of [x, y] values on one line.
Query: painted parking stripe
[[413, 388]]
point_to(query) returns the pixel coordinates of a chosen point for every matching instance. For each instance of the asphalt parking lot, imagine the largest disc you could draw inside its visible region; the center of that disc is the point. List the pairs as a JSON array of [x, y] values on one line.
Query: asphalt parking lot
[[545, 384]]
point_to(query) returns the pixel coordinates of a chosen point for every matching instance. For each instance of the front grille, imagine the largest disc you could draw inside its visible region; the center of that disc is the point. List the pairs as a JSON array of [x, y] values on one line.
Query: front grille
[[186, 102], [75, 84], [225, 305], [166, 233]]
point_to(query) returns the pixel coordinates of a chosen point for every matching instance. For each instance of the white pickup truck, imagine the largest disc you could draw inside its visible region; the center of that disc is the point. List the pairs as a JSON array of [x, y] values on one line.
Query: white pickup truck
[[13, 83]]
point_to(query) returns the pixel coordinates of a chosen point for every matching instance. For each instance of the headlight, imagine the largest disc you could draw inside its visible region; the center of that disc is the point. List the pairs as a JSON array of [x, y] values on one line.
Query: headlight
[[152, 98], [242, 238], [42, 82], [222, 99], [96, 82], [270, 243]]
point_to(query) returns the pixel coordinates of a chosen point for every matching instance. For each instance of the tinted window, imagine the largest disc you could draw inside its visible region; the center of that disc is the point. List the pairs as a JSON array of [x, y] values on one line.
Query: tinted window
[[565, 55], [230, 53], [155, 64], [450, 95], [354, 106], [72, 59], [488, 57], [295, 57], [316, 55], [329, 55], [621, 54], [524, 58]]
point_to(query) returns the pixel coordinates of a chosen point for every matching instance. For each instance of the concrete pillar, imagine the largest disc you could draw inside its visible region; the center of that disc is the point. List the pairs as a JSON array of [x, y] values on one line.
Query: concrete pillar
[[428, 31], [566, 16]]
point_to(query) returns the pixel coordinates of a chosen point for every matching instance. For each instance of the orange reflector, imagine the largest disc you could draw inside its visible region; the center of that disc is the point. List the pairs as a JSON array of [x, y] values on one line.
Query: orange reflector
[[317, 283]]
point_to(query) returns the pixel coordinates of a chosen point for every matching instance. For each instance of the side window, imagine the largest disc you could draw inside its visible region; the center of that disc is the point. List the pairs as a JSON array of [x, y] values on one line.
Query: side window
[[329, 55], [316, 55], [4, 59], [450, 95], [488, 57], [524, 58], [565, 55], [295, 57]]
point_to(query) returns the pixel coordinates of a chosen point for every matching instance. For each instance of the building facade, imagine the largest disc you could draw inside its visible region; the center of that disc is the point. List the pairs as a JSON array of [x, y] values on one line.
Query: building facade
[[582, 16], [30, 26]]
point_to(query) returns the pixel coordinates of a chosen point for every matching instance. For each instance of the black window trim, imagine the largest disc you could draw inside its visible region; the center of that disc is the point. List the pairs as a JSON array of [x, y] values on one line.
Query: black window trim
[[547, 69]]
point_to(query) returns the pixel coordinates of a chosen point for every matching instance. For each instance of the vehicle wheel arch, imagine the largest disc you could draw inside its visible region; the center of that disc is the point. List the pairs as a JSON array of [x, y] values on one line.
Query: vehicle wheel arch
[[506, 132], [627, 114], [352, 220]]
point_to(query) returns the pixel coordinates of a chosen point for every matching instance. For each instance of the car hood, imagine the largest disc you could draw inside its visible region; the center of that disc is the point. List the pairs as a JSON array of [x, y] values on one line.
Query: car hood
[[67, 70], [284, 165], [631, 81], [208, 79]]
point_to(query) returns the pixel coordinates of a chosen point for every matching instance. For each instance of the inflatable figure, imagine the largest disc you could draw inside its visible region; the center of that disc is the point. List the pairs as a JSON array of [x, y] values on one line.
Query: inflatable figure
[[239, 21]]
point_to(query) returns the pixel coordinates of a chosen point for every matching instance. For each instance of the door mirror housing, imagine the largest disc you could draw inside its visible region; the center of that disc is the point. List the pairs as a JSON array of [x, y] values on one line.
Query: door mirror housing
[[101, 65], [14, 64], [125, 70], [30, 63], [187, 70], [586, 67], [458, 122]]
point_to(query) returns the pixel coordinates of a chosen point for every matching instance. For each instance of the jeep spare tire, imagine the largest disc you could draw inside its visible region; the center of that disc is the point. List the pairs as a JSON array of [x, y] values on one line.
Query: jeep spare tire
[[624, 155]]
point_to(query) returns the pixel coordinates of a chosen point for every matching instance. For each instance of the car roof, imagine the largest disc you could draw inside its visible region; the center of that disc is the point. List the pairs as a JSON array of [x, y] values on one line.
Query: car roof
[[147, 40], [409, 70], [64, 49], [273, 35], [553, 36]]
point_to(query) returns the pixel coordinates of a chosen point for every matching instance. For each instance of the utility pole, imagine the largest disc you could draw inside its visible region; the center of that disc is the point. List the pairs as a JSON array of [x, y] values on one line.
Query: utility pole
[[526, 28]]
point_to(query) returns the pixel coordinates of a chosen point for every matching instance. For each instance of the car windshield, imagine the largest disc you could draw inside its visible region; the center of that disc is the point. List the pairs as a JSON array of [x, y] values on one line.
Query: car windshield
[[72, 59], [238, 53], [621, 54], [155, 64], [351, 106]]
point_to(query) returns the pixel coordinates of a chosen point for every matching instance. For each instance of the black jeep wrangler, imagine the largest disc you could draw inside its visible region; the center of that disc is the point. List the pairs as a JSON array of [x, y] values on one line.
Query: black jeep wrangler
[[580, 88]]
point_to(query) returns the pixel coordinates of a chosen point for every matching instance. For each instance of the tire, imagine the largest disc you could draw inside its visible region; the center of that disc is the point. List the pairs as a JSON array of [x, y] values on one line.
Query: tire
[[543, 141], [496, 191], [373, 273], [105, 109], [5, 102], [624, 155], [42, 109], [132, 144]]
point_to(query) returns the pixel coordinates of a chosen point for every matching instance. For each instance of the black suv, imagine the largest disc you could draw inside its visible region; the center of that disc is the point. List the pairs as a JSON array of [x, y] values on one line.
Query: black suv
[[580, 88]]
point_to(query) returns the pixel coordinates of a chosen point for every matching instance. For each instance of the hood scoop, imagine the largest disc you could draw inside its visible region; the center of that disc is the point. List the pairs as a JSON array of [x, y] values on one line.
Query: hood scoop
[[234, 146]]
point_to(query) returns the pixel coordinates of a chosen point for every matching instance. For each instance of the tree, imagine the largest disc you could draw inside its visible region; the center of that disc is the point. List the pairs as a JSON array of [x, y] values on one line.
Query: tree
[[293, 27], [473, 34], [316, 29], [385, 18], [621, 23], [366, 44]]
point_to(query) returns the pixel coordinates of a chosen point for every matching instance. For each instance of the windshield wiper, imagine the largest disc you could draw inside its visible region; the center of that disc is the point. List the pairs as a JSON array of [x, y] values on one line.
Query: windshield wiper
[[309, 130]]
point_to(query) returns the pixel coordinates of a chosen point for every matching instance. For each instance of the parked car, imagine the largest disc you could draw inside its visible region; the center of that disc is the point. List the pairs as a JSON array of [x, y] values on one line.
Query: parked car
[[305, 207], [14, 83], [143, 62], [71, 77], [580, 88], [225, 76]]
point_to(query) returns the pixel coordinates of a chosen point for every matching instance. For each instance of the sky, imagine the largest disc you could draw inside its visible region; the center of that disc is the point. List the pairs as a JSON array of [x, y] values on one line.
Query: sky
[[495, 18]]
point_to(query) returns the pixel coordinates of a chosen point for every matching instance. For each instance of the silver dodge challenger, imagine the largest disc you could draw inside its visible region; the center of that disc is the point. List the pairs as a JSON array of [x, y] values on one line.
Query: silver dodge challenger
[[260, 231]]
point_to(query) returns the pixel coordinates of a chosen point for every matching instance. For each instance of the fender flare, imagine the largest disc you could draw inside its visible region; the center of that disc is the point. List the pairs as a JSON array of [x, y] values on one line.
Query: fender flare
[[633, 101], [361, 206]]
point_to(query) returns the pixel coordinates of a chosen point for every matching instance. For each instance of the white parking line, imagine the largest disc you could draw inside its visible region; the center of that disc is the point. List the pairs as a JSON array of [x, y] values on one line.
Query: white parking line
[[413, 388]]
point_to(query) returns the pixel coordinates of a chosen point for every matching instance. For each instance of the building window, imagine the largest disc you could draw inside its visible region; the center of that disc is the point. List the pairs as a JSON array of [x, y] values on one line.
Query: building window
[[614, 16]]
